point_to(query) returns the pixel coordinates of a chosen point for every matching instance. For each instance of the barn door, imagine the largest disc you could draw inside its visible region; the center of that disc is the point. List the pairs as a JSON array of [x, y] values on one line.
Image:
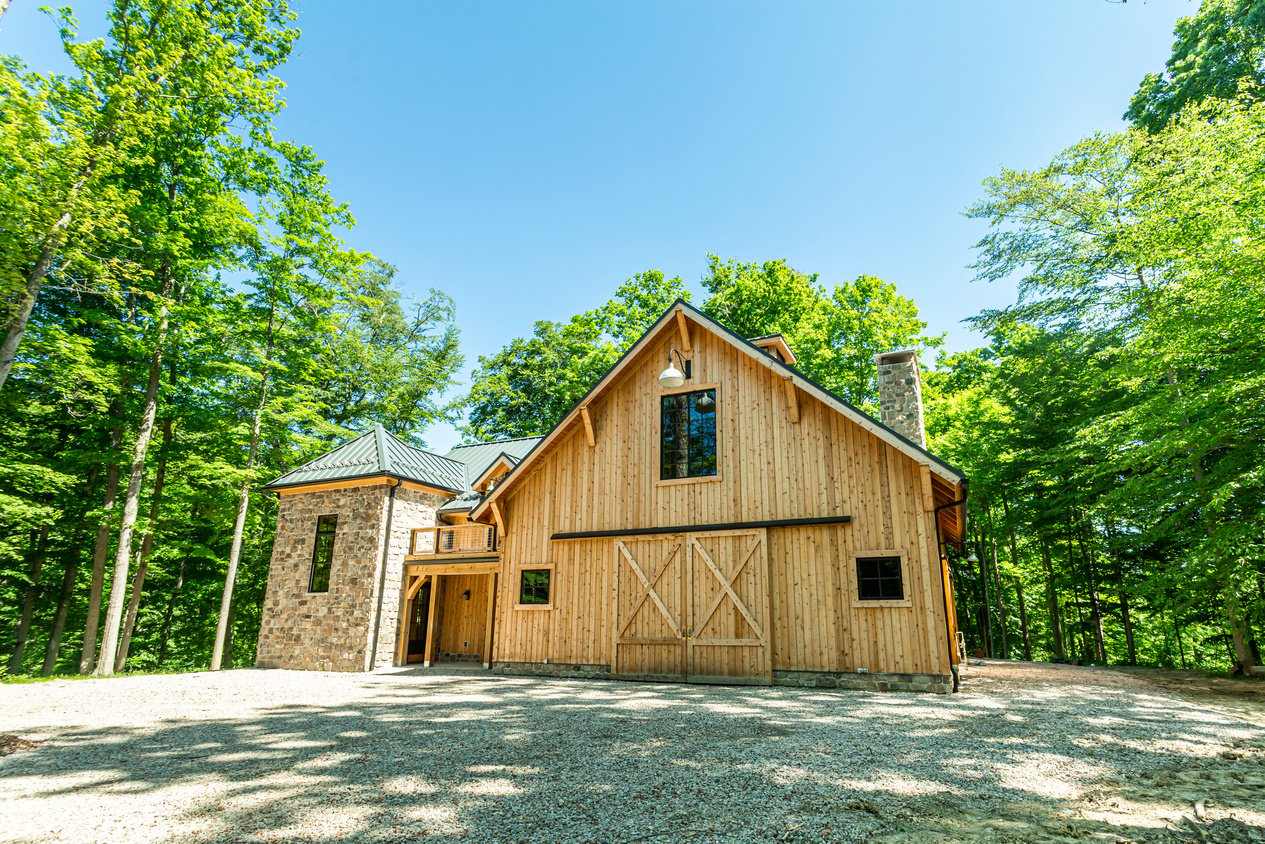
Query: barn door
[[650, 607], [727, 635]]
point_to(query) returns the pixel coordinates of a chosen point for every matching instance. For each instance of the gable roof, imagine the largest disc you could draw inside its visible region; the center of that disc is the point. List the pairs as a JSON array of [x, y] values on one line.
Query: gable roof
[[802, 381], [478, 457], [509, 461], [374, 453]]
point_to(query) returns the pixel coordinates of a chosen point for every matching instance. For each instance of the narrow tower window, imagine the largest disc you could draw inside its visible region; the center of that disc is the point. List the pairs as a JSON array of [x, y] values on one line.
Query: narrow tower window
[[323, 553]]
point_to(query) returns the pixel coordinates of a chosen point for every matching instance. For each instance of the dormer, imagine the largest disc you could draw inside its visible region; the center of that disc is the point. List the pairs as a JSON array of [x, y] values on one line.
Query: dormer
[[775, 345], [492, 475]]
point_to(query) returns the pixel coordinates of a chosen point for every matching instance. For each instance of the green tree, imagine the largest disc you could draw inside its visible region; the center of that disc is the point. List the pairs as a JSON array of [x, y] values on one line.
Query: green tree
[[1219, 53], [833, 333], [531, 384]]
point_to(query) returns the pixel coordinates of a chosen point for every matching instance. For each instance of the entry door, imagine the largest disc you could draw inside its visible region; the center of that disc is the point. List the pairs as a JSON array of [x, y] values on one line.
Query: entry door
[[650, 607], [727, 636], [419, 611], [693, 606]]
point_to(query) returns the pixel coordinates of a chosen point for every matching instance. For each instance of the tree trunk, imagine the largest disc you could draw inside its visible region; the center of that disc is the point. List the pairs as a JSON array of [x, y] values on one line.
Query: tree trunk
[[147, 545], [49, 250], [131, 501], [1052, 602], [87, 656], [165, 633], [1181, 650], [1095, 606], [1244, 661], [1001, 600], [39, 550], [63, 608], [228, 638], [1023, 621], [986, 620], [223, 625]]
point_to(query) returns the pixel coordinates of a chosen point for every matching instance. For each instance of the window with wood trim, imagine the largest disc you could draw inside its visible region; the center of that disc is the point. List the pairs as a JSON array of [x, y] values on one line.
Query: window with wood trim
[[880, 579], [687, 435], [323, 553], [534, 587]]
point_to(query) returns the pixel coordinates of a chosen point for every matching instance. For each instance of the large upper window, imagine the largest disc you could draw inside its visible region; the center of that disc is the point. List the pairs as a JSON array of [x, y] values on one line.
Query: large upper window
[[323, 553], [879, 579], [687, 435]]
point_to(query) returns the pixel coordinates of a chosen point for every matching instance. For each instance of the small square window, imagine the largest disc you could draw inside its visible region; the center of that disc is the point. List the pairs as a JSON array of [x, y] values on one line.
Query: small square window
[[879, 579], [533, 587], [323, 553]]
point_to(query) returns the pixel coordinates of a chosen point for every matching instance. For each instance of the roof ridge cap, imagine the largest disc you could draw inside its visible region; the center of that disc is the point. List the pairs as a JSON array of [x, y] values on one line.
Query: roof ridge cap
[[380, 440]]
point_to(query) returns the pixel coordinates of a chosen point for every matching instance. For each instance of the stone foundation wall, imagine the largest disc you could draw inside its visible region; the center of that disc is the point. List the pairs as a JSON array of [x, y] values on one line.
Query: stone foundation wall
[[323, 631], [934, 683], [413, 509], [941, 684], [553, 669]]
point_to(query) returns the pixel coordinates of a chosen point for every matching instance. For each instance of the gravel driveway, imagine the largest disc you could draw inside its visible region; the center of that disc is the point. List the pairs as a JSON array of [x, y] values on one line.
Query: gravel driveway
[[1024, 753]]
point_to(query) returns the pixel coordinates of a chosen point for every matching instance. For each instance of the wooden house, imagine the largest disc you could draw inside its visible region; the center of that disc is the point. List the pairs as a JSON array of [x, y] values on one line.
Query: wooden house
[[706, 513]]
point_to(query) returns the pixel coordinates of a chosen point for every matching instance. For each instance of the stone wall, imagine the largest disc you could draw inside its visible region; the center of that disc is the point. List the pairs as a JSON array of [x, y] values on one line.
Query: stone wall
[[900, 395], [325, 631], [413, 509], [333, 631], [934, 683]]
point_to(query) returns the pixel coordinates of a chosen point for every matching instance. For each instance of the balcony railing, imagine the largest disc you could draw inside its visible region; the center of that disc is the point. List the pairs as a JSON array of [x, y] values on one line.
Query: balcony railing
[[454, 539]]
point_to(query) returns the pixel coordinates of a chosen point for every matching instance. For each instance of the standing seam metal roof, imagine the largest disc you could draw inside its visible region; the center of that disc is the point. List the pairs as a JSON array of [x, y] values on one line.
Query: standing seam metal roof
[[378, 452], [477, 457]]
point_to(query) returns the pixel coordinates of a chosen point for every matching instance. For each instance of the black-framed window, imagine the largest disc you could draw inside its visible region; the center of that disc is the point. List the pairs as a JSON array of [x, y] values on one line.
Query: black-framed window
[[533, 586], [323, 553], [687, 435], [879, 579]]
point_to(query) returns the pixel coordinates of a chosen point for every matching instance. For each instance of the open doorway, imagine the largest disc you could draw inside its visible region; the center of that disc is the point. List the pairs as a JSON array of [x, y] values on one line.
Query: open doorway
[[419, 613]]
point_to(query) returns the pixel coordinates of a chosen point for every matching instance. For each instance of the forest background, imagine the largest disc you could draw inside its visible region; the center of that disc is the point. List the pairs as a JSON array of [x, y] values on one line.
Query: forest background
[[186, 318]]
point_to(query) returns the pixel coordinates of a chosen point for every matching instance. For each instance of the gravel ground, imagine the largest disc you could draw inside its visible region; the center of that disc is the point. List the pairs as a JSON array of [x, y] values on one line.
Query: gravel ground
[[1025, 753]]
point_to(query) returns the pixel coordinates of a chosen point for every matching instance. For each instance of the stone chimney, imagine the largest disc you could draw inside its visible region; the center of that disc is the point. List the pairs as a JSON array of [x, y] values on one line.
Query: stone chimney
[[900, 394]]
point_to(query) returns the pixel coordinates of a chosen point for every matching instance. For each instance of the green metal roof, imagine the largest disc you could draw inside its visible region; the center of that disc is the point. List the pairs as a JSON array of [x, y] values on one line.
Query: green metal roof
[[477, 457], [378, 452]]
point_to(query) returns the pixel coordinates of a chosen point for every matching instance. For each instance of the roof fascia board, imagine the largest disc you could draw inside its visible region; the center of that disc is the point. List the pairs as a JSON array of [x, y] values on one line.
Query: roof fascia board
[[866, 422], [668, 317], [500, 459], [366, 479]]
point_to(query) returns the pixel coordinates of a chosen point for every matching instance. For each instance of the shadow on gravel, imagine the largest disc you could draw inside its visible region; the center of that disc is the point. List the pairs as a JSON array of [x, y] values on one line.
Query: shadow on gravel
[[512, 759]]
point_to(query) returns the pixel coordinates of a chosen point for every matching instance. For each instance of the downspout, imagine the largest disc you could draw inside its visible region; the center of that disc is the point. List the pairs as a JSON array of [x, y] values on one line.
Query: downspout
[[382, 580], [935, 517]]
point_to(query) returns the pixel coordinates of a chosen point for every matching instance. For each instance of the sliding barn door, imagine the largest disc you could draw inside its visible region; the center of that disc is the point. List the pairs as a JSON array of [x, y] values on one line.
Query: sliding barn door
[[727, 632], [693, 606], [650, 607]]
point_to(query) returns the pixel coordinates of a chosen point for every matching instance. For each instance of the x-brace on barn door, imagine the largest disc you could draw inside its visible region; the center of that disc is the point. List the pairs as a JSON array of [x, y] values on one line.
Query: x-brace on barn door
[[693, 606]]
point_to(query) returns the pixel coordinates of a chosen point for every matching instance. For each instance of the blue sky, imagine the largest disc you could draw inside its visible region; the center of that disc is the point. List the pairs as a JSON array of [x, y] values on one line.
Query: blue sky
[[526, 158]]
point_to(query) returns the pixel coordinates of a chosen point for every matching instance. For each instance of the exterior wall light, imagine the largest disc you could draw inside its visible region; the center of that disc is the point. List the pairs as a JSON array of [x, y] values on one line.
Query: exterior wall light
[[673, 377]]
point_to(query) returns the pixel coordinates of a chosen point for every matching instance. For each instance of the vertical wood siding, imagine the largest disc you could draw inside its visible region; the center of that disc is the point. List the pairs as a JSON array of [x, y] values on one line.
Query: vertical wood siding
[[768, 468]]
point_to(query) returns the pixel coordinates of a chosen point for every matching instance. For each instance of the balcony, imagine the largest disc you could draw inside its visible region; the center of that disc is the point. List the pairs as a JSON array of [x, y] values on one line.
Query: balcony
[[454, 541]]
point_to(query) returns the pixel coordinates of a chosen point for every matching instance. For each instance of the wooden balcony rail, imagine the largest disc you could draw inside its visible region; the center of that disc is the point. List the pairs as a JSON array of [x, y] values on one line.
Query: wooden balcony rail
[[454, 539]]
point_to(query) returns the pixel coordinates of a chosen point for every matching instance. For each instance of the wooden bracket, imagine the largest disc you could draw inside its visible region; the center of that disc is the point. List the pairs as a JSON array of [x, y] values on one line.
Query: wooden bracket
[[685, 331], [792, 399], [499, 519], [415, 587], [588, 425], [928, 498]]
